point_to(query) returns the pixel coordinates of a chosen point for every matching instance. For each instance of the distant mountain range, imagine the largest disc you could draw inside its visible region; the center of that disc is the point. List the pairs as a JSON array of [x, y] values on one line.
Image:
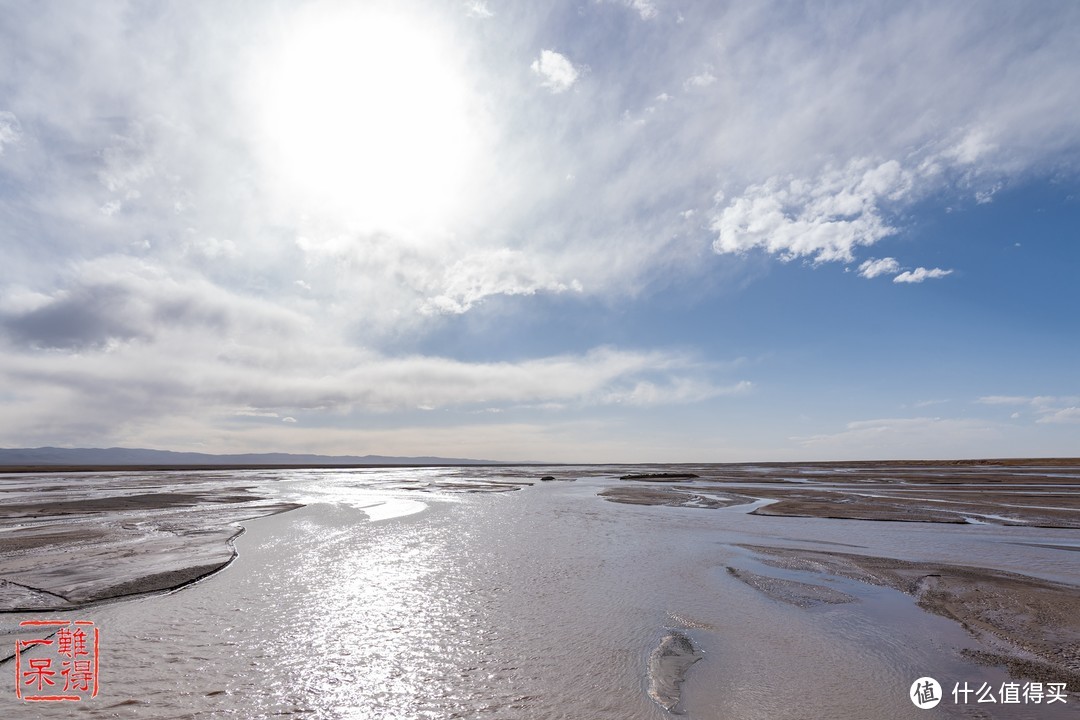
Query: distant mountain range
[[32, 457]]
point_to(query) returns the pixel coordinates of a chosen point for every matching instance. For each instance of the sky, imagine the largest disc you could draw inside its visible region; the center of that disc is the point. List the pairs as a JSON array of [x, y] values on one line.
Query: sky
[[590, 231]]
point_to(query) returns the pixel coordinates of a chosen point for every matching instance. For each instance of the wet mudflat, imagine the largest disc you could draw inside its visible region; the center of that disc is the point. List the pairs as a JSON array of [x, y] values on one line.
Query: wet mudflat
[[484, 592]]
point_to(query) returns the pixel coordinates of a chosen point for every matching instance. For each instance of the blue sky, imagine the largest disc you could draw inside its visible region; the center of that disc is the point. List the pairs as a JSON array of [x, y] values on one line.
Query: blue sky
[[593, 231]]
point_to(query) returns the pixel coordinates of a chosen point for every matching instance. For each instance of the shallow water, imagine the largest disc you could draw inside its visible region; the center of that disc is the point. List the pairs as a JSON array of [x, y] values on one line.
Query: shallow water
[[378, 602]]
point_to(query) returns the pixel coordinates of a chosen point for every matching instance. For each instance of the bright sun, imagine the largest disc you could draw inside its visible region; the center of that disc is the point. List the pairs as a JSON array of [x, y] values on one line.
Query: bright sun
[[364, 115]]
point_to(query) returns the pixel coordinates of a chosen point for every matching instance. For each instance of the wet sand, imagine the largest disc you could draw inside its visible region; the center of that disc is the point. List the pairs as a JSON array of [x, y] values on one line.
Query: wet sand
[[69, 541], [668, 665], [673, 497], [1036, 493], [792, 592], [78, 550], [77, 537], [1017, 506], [62, 547], [1028, 625]]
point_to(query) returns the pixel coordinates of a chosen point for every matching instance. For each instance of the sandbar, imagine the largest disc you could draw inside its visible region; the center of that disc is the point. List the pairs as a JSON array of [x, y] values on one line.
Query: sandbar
[[1029, 625]]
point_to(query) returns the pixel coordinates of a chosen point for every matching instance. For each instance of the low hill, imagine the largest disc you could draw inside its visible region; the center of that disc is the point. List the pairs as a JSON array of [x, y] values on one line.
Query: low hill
[[72, 457]]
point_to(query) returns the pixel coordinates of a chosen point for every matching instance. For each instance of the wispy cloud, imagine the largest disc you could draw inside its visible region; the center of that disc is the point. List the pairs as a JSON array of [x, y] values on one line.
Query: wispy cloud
[[1005, 400], [1068, 415], [929, 403], [679, 391], [904, 437], [9, 129], [647, 9], [470, 280], [703, 79], [919, 274], [1047, 409], [478, 8]]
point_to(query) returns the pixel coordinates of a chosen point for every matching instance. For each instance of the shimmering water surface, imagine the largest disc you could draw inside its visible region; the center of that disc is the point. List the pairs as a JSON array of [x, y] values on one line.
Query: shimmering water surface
[[375, 601]]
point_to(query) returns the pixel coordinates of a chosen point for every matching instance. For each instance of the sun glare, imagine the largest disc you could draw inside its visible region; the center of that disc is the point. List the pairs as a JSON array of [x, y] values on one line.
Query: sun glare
[[364, 115]]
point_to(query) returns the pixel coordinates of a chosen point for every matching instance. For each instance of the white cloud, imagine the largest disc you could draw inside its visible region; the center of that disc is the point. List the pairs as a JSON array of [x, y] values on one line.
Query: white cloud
[[9, 129], [827, 217], [919, 274], [885, 266], [470, 280], [288, 419], [556, 72]]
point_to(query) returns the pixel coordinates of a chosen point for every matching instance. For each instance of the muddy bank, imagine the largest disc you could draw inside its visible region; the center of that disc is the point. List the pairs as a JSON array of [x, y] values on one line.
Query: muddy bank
[[1036, 493], [1028, 625], [659, 477], [872, 472], [673, 497], [791, 591], [668, 664], [67, 542], [1018, 505]]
